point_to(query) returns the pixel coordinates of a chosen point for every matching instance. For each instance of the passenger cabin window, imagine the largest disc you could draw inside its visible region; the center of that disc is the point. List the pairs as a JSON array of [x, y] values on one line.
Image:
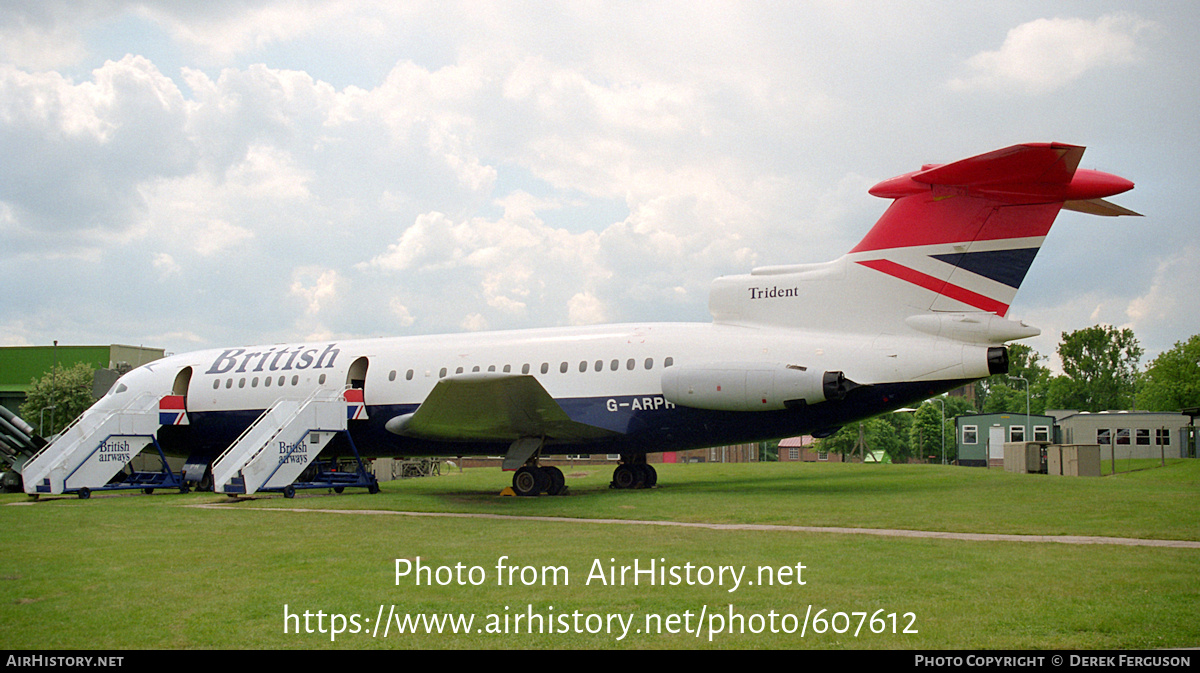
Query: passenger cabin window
[[408, 376]]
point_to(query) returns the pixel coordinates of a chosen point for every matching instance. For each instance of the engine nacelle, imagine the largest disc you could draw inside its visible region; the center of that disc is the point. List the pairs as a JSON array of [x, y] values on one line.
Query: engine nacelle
[[751, 386]]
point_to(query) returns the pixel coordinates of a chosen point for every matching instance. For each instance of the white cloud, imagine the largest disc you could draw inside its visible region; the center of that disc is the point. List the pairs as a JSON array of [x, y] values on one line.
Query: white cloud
[[1047, 54], [474, 322], [316, 286], [586, 309]]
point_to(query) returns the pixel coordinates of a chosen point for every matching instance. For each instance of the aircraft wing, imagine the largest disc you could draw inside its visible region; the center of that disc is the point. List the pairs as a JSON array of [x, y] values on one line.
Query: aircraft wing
[[491, 407]]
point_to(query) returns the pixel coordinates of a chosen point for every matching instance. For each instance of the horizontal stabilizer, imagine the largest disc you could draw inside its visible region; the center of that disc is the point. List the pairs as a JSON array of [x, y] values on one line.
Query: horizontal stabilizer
[[1099, 207]]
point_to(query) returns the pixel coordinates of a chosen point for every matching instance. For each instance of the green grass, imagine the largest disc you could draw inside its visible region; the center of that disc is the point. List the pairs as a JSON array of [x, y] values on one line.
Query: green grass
[[150, 572]]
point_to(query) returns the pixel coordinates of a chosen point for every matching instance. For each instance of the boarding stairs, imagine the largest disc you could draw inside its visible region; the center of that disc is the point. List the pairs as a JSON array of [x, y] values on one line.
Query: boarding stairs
[[93, 448], [275, 449]]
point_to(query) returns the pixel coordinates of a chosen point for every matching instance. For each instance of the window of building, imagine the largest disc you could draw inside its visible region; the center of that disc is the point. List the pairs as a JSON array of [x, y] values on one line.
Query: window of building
[[1142, 436], [794, 453], [1016, 433], [1161, 437], [822, 455], [1103, 436], [970, 434], [1123, 436], [1041, 433]]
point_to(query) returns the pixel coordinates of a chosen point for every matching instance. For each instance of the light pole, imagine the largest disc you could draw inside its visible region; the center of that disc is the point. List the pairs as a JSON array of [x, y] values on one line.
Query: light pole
[[42, 419]]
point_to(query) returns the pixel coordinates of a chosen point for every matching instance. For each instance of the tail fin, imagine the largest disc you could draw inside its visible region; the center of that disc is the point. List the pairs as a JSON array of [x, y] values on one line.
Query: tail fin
[[959, 237], [968, 231]]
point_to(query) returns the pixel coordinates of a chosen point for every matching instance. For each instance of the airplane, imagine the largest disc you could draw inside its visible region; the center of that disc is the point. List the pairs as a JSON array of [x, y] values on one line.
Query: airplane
[[917, 308]]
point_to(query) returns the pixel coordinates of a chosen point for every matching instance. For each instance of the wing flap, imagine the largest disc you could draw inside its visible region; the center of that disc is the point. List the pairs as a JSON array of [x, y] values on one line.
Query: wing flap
[[491, 407]]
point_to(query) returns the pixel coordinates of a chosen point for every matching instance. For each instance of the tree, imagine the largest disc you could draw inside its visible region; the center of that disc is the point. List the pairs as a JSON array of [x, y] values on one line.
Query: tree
[[69, 390], [1172, 381], [880, 433], [1002, 393], [1100, 368]]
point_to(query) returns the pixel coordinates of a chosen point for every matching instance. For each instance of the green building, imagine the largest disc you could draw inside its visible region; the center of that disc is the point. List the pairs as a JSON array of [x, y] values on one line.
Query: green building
[[20, 365], [981, 437]]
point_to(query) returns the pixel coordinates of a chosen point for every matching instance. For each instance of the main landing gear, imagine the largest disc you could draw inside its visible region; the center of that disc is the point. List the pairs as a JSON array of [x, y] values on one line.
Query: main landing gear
[[634, 472], [533, 479]]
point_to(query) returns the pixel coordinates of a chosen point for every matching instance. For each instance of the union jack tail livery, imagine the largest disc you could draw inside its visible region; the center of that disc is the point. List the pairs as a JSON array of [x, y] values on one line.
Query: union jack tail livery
[[959, 238]]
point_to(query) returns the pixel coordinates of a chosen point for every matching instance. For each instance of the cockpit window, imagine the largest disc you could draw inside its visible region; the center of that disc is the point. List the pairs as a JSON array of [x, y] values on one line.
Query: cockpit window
[[121, 387]]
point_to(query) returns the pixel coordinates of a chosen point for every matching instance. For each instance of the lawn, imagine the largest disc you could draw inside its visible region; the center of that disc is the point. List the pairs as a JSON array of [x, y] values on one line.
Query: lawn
[[135, 571]]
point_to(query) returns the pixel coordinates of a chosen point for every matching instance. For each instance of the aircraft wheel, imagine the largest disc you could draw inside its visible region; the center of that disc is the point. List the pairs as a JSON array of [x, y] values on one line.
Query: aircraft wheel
[[148, 491], [530, 480], [338, 489], [651, 475], [289, 491], [627, 476], [557, 481], [85, 493]]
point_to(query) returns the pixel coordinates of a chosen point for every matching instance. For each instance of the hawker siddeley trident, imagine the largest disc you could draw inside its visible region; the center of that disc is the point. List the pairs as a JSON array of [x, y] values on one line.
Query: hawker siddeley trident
[[917, 308]]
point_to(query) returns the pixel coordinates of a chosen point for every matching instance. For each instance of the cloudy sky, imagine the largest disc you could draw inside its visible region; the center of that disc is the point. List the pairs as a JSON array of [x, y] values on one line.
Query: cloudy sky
[[188, 175]]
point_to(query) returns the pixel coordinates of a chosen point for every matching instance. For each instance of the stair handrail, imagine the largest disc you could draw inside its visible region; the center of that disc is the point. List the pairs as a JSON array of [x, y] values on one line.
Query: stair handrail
[[110, 413], [303, 403]]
